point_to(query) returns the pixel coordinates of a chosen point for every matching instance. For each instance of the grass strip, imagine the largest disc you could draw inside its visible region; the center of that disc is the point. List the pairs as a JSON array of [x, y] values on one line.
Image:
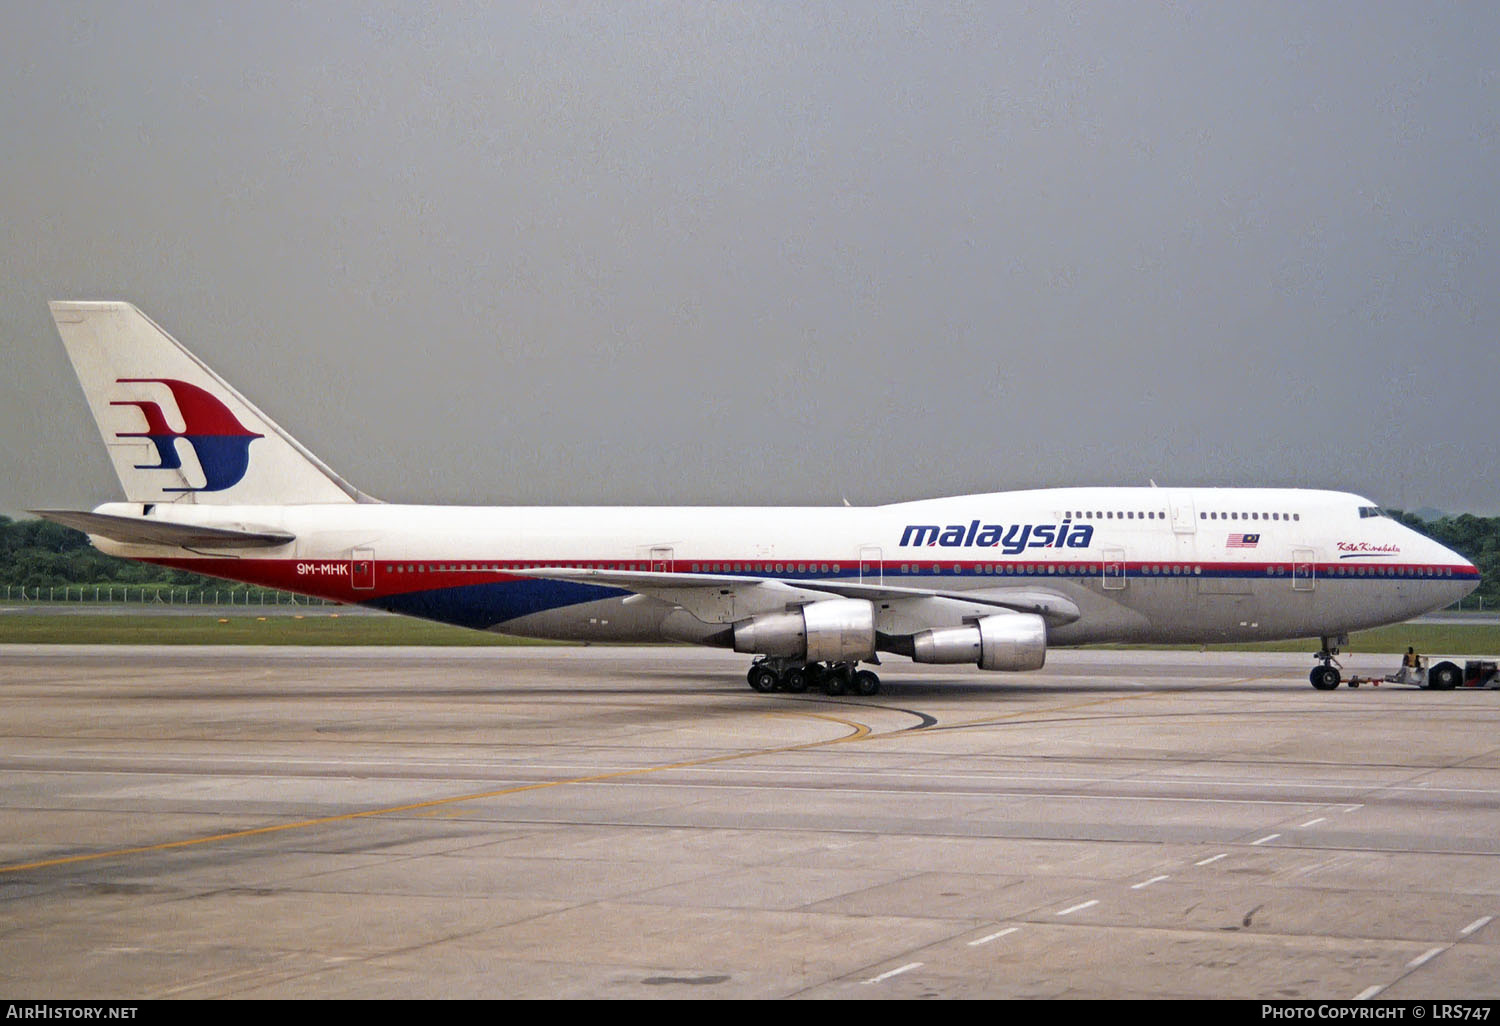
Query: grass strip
[[322, 628], [236, 629]]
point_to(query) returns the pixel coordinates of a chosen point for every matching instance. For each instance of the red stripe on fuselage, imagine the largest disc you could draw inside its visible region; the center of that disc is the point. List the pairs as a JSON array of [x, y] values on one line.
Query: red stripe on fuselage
[[342, 580]]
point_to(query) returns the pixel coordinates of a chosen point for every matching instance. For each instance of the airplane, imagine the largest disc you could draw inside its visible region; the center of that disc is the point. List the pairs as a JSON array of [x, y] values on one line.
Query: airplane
[[213, 485]]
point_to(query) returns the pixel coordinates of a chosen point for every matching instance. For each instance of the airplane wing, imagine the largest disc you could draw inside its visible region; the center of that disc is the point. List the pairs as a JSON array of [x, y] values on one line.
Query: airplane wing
[[1055, 609], [720, 598], [146, 531]]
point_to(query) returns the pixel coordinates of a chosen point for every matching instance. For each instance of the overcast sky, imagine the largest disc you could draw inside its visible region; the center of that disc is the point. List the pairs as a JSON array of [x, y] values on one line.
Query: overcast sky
[[774, 254]]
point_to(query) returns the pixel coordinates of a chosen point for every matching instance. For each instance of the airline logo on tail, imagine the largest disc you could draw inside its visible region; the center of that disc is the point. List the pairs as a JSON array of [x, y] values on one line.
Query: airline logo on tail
[[219, 440]]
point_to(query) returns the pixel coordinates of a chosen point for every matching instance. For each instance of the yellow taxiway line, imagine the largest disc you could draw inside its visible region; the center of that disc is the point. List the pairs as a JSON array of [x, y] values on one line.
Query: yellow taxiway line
[[857, 731]]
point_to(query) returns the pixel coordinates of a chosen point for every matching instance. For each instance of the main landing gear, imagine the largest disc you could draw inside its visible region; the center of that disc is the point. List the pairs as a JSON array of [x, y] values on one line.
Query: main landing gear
[[790, 675], [1325, 676]]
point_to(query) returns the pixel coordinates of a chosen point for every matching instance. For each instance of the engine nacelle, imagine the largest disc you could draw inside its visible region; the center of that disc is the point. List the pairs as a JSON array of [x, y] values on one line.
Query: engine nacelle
[[833, 630], [1009, 641]]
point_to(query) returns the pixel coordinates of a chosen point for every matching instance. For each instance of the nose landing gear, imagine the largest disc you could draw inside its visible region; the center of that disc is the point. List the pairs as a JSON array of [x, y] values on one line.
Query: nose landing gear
[[1325, 676]]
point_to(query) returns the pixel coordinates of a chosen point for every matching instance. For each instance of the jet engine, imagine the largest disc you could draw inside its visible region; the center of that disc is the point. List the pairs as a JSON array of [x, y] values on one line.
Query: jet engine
[[1007, 641], [832, 630]]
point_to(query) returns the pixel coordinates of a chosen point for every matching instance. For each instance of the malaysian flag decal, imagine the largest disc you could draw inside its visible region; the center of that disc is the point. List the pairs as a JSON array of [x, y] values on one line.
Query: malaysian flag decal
[[1243, 541]]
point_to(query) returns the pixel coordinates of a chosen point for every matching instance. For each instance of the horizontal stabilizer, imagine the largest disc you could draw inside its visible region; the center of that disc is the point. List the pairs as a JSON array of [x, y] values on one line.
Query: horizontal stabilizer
[[146, 531]]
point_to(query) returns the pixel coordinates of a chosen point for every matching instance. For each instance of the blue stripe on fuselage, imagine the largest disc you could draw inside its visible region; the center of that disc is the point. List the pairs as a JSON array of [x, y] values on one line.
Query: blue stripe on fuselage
[[482, 606]]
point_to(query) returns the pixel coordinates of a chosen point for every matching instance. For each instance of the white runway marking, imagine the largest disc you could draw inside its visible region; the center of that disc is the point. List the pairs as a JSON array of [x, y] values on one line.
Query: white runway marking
[[1477, 924], [895, 972], [1313, 822], [1263, 840], [1078, 908], [1424, 957], [1148, 883], [1212, 858], [994, 936]]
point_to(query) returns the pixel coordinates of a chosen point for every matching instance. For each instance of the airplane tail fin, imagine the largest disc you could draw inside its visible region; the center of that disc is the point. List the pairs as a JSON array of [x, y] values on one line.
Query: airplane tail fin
[[177, 432]]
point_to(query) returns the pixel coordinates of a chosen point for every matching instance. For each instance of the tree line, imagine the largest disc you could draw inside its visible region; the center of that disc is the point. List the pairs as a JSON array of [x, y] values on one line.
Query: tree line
[[1477, 539], [39, 553]]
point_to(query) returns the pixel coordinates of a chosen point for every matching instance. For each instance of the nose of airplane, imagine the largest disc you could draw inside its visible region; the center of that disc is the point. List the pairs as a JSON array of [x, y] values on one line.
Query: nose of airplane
[[1445, 575], [1465, 575], [1458, 575]]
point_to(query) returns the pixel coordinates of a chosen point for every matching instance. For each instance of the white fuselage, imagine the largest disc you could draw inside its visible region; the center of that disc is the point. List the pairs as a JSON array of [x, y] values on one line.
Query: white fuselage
[[1140, 564], [212, 484]]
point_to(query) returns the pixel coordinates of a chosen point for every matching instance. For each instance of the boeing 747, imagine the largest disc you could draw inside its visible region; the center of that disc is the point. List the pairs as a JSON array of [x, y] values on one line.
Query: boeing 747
[[214, 486]]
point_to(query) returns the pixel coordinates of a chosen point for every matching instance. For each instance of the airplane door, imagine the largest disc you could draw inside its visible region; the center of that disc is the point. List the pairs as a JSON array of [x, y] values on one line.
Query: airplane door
[[1184, 520], [1113, 570], [871, 568], [362, 569], [661, 559], [1304, 570]]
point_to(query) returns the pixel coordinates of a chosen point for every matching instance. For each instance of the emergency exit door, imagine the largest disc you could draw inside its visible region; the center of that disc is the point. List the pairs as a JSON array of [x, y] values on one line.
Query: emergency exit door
[[1304, 570], [362, 569], [1112, 570]]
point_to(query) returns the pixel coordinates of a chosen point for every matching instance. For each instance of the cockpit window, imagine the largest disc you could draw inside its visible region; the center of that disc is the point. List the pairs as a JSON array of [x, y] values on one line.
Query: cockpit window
[[1371, 511]]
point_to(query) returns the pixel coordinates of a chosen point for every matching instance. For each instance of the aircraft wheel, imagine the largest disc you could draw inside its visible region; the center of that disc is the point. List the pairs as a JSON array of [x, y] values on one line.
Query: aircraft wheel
[[836, 683], [866, 683], [1444, 677], [1324, 678], [794, 680], [762, 678]]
